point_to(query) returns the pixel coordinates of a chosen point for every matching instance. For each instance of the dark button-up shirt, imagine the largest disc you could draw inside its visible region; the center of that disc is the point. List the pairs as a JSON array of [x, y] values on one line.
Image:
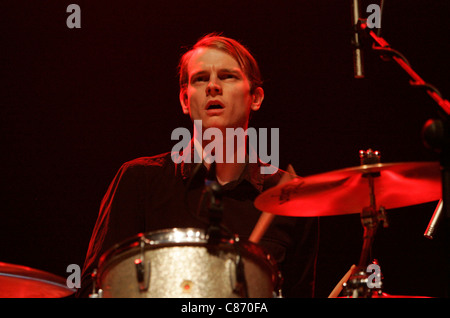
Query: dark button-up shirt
[[153, 193]]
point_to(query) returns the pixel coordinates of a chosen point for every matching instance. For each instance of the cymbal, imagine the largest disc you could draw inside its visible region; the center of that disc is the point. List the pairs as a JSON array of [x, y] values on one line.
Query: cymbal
[[347, 191], [18, 281]]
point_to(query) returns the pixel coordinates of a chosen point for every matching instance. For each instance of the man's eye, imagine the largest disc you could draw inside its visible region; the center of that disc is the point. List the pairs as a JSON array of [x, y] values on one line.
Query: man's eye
[[200, 79], [227, 76]]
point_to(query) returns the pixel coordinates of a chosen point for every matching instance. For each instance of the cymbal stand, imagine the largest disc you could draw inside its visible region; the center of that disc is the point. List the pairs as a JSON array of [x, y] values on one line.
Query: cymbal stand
[[358, 284]]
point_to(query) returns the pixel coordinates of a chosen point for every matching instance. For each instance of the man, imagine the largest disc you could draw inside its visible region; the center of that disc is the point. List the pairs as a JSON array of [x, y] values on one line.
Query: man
[[220, 85]]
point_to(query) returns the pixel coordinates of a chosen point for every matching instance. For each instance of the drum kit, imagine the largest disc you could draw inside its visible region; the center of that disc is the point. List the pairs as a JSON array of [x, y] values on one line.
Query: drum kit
[[18, 281], [369, 190], [182, 262]]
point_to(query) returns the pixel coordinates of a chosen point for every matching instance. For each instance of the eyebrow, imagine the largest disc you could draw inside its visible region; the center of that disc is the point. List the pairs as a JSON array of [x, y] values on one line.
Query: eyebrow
[[231, 70], [222, 70]]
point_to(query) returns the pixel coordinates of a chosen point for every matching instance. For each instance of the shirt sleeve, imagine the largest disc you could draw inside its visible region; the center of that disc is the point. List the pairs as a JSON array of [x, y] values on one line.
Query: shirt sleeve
[[120, 217]]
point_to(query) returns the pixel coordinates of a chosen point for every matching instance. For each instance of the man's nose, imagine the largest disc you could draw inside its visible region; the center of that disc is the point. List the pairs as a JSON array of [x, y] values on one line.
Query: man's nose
[[214, 88]]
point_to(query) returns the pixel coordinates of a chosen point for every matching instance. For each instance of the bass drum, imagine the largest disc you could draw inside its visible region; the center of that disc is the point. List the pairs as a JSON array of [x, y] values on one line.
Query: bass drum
[[177, 263]]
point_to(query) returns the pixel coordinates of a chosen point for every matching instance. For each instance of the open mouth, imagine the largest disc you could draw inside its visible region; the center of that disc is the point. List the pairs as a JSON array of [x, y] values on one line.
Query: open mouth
[[212, 105], [215, 106]]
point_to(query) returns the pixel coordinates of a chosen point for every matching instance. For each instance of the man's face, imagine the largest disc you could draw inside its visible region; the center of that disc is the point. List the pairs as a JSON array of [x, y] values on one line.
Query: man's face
[[218, 91]]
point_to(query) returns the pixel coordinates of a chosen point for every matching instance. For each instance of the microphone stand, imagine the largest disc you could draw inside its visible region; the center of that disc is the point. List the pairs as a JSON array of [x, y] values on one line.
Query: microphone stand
[[435, 132], [215, 230], [215, 209]]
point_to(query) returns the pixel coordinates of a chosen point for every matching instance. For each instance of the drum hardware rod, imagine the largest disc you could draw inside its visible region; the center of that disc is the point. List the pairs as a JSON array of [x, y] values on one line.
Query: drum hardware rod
[[434, 221], [241, 283], [142, 268], [278, 291], [240, 287], [357, 285], [371, 217]]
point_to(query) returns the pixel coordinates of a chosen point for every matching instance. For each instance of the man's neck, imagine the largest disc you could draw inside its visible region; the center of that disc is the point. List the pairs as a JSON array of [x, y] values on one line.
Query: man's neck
[[230, 169], [227, 172]]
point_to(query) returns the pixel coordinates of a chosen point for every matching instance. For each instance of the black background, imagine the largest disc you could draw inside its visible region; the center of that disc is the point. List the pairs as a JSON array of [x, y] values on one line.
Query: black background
[[77, 103]]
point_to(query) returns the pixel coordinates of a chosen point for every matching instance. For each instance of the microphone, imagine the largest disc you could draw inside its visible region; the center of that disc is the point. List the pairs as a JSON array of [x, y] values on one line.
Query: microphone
[[358, 67]]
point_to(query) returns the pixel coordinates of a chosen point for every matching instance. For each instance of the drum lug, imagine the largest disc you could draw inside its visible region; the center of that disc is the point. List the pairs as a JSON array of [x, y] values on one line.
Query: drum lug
[[96, 293], [239, 285], [142, 269], [278, 292]]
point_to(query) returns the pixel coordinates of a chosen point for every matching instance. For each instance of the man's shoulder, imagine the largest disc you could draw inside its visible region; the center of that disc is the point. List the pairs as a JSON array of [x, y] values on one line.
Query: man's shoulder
[[154, 161]]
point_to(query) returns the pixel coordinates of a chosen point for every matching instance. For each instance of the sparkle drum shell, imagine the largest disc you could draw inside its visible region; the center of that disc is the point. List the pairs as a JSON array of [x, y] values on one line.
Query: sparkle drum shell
[[178, 263]]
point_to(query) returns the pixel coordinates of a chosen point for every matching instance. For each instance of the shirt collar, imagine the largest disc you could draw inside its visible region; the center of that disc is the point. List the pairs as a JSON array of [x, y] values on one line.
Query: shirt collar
[[252, 171]]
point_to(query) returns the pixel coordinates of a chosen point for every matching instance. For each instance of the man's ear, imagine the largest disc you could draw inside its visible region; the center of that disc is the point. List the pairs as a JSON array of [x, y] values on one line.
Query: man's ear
[[258, 97], [184, 101]]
